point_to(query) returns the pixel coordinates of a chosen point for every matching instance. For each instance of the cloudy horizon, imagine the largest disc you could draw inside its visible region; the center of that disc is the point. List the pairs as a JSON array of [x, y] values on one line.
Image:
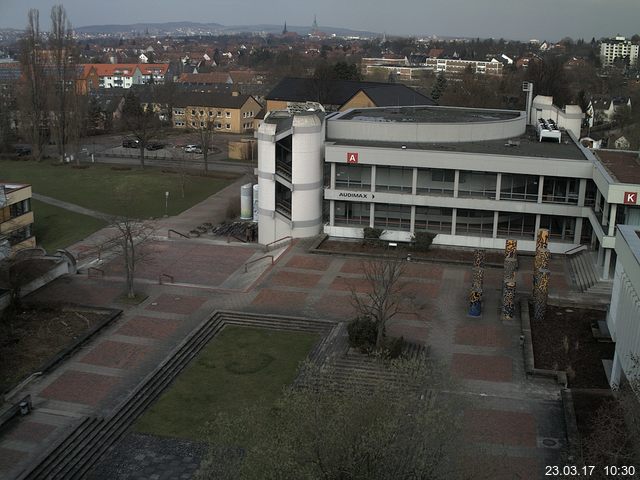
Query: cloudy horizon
[[510, 19]]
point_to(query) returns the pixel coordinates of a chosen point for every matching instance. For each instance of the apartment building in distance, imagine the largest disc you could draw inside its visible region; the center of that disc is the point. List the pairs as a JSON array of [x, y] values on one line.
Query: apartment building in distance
[[447, 66], [618, 47], [16, 218], [123, 75], [230, 113]]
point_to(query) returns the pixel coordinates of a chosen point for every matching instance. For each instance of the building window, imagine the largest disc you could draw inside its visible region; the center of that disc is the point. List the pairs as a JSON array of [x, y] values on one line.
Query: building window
[[228, 126], [516, 225], [433, 219], [193, 112], [355, 177], [219, 113], [394, 179], [201, 113], [474, 223], [201, 124], [519, 187], [560, 190], [560, 228], [227, 114], [392, 217], [352, 213], [193, 124], [19, 208], [218, 125], [20, 235], [477, 184], [210, 113], [435, 182]]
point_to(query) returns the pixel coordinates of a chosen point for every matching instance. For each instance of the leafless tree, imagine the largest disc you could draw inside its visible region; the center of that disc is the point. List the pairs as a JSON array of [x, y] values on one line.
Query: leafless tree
[[384, 297], [63, 95], [131, 236], [33, 89], [142, 122], [205, 135]]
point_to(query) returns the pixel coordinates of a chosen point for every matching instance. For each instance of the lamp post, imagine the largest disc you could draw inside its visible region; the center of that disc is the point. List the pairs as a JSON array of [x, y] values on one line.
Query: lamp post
[[166, 204]]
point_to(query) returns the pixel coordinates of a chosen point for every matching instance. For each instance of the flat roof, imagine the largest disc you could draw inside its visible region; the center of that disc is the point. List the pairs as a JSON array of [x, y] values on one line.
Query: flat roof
[[526, 145], [9, 187], [429, 114], [622, 166]]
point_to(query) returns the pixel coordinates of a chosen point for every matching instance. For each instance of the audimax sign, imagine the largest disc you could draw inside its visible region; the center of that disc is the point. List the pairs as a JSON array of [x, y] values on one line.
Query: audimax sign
[[362, 195]]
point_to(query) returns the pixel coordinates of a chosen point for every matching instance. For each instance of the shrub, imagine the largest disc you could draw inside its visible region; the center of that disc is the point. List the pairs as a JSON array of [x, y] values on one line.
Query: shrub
[[372, 235], [393, 347], [422, 241], [362, 334]]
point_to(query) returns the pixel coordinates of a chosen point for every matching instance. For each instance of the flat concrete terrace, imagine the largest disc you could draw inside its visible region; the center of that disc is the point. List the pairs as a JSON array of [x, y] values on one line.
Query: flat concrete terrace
[[623, 166], [525, 145], [504, 411], [429, 114]]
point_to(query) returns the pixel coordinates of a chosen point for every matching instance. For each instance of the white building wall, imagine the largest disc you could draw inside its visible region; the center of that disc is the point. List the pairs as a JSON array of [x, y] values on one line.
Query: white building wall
[[267, 225]]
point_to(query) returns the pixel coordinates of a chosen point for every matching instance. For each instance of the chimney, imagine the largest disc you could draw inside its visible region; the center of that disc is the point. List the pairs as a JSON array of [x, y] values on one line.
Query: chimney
[[235, 93]]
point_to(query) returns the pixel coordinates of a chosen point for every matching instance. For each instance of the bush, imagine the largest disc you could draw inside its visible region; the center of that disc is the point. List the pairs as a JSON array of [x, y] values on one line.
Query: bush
[[362, 334], [372, 235], [422, 241], [393, 347]]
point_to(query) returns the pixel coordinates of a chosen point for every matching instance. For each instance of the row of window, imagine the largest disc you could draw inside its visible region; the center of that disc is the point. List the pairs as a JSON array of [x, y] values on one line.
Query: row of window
[[204, 124], [440, 220], [474, 184]]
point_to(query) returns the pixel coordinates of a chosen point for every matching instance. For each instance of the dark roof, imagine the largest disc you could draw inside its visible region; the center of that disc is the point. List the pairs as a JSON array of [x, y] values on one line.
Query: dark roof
[[338, 92], [198, 99], [623, 166]]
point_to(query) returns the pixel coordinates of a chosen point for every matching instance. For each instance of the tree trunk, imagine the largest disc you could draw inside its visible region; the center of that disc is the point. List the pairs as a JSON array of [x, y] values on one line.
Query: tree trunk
[[380, 335], [142, 154], [206, 158]]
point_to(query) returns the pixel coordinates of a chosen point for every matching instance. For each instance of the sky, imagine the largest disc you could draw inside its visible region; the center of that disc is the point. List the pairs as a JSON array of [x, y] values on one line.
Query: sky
[[510, 19]]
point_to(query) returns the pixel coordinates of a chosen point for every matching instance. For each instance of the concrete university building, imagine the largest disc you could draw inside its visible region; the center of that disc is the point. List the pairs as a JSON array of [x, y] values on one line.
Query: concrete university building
[[474, 177]]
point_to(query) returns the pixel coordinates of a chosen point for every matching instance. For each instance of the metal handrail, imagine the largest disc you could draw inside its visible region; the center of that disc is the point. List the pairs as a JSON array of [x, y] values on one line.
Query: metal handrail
[[266, 247], [170, 277], [575, 249], [96, 269], [175, 231], [257, 259]]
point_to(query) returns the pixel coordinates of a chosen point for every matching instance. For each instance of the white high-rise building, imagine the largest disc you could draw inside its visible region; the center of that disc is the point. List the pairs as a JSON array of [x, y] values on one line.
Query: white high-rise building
[[619, 47]]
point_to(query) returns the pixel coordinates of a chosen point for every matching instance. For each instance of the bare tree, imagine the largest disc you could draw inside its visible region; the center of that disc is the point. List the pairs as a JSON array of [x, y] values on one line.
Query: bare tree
[[384, 298], [63, 75], [33, 92], [205, 138], [131, 236]]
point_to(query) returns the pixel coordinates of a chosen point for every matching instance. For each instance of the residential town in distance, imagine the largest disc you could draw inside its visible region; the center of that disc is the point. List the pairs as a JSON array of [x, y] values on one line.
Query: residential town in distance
[[317, 252]]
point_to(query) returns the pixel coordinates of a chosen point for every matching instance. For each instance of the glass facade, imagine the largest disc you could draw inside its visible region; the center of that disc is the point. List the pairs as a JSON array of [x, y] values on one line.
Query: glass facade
[[519, 187], [435, 181], [560, 228], [433, 219], [353, 177], [392, 217], [477, 184], [516, 225], [352, 213], [474, 223], [560, 190], [394, 179]]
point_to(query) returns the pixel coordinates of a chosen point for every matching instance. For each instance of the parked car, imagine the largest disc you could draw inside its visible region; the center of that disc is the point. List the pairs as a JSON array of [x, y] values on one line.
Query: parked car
[[130, 143], [193, 149], [155, 146]]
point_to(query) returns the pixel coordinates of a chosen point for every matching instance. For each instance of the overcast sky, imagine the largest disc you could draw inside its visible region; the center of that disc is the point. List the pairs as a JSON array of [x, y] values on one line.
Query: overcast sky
[[514, 19]]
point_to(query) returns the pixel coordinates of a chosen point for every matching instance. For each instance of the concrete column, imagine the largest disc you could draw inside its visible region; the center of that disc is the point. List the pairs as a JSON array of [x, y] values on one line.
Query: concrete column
[[456, 183], [582, 191], [498, 185], [332, 180], [535, 230], [372, 213], [495, 225], [332, 211], [578, 230], [540, 187], [605, 214], [453, 221], [373, 181], [600, 254], [612, 219], [414, 185], [598, 197], [616, 371], [412, 228], [607, 264]]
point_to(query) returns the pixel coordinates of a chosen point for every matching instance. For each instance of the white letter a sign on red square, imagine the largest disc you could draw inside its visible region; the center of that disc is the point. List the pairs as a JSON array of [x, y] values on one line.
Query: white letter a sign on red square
[[352, 157]]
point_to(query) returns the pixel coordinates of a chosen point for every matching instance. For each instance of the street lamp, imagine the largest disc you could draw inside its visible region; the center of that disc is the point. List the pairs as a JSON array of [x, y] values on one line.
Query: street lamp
[[166, 204]]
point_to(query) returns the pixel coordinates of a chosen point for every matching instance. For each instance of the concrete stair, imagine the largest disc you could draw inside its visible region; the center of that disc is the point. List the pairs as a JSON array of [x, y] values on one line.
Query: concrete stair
[[586, 277]]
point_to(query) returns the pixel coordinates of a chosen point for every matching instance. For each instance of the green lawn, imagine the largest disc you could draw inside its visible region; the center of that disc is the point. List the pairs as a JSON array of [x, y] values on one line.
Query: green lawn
[[137, 193], [242, 367], [58, 228]]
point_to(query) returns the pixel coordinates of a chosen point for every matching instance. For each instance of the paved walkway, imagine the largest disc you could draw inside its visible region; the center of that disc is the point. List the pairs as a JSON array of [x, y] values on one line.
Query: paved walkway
[[515, 420], [73, 207]]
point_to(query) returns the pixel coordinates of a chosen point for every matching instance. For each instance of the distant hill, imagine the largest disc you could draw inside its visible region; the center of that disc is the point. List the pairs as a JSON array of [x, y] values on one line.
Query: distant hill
[[196, 28]]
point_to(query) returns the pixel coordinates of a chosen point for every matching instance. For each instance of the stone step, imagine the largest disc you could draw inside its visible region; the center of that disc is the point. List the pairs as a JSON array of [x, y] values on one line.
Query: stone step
[[583, 271]]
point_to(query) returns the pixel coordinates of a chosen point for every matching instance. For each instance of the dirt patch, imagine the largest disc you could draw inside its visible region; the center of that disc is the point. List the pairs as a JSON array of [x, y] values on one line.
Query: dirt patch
[[564, 341], [437, 254], [35, 336]]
